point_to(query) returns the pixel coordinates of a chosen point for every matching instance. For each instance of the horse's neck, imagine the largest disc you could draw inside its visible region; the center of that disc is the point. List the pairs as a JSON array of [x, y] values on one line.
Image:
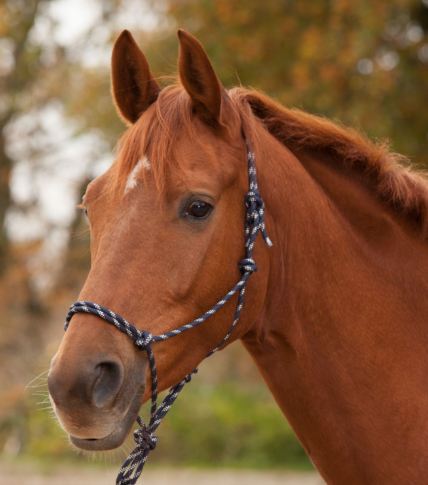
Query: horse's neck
[[342, 341]]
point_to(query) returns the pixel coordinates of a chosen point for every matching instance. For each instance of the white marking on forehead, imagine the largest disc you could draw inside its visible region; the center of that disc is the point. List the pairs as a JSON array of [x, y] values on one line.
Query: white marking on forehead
[[131, 183], [146, 163]]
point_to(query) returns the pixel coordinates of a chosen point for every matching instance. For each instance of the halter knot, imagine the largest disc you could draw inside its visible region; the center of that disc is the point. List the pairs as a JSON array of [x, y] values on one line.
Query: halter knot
[[144, 340], [144, 439], [254, 203], [247, 265]]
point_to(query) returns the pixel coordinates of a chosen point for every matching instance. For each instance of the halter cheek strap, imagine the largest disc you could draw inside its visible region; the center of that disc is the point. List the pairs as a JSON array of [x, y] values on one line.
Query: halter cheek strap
[[144, 437]]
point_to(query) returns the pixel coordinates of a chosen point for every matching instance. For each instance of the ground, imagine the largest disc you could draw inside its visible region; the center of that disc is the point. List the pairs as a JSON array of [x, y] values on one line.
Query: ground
[[67, 475]]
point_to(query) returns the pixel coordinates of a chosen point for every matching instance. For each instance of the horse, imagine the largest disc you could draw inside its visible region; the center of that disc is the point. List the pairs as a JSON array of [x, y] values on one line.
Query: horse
[[334, 318]]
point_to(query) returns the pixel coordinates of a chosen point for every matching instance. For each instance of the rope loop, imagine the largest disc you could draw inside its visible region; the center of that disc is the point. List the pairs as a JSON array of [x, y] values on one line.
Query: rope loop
[[255, 218], [247, 265]]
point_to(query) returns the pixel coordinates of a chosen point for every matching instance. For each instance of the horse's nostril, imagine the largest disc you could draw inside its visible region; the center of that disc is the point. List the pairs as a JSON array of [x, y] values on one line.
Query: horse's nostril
[[109, 376]]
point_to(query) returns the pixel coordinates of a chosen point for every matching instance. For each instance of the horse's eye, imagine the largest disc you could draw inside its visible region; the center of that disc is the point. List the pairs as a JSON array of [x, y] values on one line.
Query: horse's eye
[[199, 209]]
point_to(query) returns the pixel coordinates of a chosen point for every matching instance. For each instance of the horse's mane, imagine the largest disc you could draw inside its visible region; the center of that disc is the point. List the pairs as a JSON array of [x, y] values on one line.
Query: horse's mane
[[389, 173], [391, 176]]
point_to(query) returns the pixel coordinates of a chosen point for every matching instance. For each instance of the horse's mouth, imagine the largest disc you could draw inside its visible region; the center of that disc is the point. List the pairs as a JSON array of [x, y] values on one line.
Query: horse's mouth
[[118, 435]]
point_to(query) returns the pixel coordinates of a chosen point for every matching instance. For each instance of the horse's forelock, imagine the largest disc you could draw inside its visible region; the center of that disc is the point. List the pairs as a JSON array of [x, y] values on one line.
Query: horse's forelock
[[153, 136]]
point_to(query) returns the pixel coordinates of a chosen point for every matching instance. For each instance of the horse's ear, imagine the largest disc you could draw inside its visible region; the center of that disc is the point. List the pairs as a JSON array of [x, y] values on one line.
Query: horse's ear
[[134, 87], [199, 78]]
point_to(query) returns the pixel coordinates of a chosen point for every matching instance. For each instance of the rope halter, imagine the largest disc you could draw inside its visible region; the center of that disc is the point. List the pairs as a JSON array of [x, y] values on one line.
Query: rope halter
[[144, 437]]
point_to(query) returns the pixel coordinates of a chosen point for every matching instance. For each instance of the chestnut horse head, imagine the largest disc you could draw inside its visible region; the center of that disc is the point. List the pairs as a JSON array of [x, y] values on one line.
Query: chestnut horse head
[[336, 316], [167, 232]]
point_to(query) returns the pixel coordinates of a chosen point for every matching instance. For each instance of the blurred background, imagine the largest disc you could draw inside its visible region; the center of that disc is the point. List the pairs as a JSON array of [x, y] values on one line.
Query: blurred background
[[364, 63]]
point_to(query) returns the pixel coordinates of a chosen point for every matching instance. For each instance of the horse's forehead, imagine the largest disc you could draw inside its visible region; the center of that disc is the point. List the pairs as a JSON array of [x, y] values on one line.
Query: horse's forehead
[[198, 163], [203, 167], [206, 152]]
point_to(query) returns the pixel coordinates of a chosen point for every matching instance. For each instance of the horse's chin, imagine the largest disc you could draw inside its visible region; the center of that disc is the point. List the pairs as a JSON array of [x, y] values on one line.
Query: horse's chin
[[117, 436]]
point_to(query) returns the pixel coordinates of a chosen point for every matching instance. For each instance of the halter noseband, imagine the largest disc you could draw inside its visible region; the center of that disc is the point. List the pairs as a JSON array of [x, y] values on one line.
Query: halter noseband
[[144, 437]]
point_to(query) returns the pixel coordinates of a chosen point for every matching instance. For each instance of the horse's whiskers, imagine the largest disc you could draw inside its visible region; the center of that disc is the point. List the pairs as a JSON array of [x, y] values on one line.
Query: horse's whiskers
[[44, 379]]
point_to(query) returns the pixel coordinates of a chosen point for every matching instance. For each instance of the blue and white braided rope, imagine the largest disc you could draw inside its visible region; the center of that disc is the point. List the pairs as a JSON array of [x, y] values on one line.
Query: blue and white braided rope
[[144, 437]]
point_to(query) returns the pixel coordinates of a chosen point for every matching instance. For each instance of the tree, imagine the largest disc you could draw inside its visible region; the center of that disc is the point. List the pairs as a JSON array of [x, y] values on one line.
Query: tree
[[363, 63]]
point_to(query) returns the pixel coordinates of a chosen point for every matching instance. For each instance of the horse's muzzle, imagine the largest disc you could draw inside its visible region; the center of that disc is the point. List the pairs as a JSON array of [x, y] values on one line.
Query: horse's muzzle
[[96, 395], [118, 435]]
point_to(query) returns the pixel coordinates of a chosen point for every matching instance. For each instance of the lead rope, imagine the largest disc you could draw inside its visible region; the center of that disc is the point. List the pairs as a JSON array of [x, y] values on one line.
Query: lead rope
[[144, 437]]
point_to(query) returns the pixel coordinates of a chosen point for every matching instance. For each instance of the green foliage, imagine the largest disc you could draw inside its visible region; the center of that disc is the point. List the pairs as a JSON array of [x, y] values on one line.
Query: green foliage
[[225, 425], [228, 425]]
